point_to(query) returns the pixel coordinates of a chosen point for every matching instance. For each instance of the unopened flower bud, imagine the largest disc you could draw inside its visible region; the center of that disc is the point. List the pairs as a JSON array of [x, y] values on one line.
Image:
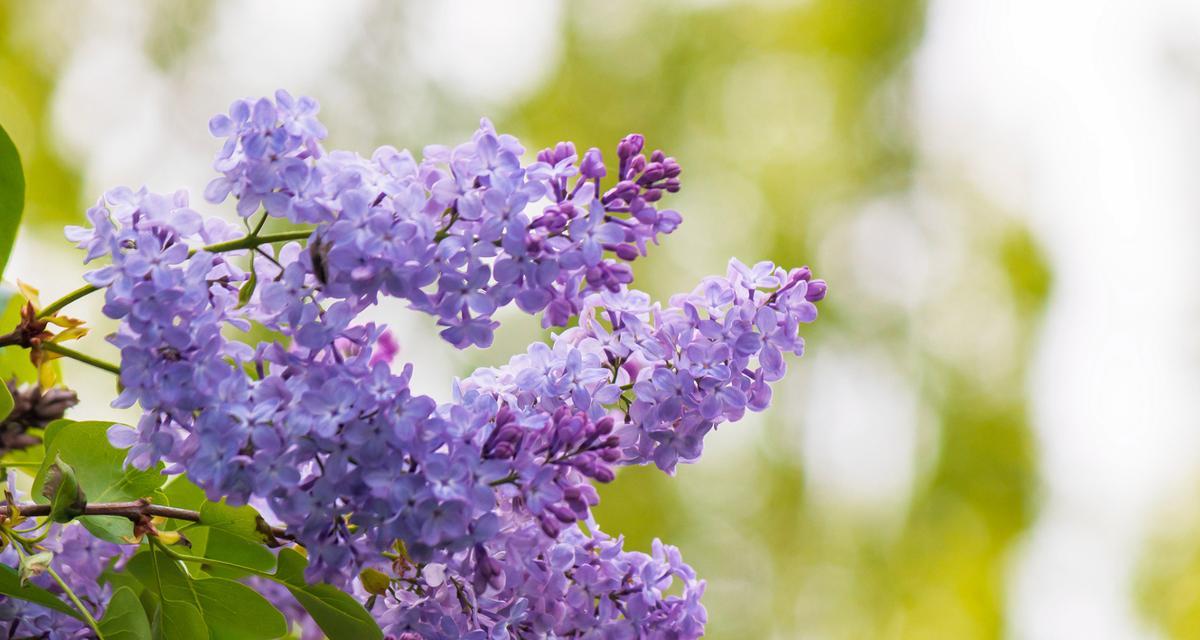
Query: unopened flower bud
[[816, 291]]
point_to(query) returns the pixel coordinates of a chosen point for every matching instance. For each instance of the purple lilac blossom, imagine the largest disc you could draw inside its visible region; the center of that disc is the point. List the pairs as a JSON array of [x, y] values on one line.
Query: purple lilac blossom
[[486, 492], [525, 584], [670, 374], [79, 559], [461, 233]]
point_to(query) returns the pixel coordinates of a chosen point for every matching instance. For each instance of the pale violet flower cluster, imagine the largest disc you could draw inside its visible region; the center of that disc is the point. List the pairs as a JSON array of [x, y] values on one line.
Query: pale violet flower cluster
[[79, 558], [673, 373], [461, 233], [490, 494]]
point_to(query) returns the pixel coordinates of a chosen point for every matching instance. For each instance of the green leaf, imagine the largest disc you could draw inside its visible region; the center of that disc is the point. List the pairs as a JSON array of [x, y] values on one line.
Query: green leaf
[[224, 609], [10, 585], [55, 428], [374, 581], [339, 615], [177, 614], [237, 535], [233, 610], [12, 195], [67, 500], [125, 618], [183, 493], [122, 580], [247, 290], [100, 470]]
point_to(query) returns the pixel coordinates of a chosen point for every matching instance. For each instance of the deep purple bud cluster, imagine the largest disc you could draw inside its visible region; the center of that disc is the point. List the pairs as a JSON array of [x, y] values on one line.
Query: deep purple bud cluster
[[484, 494]]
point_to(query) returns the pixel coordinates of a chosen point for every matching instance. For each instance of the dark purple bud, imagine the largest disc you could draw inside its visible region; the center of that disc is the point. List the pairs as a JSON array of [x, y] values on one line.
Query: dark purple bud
[[488, 572], [610, 455], [626, 252], [672, 167], [653, 195], [630, 145], [564, 515], [672, 185], [603, 474], [637, 165], [550, 526], [501, 451], [803, 273], [604, 426], [816, 291], [657, 156], [653, 173]]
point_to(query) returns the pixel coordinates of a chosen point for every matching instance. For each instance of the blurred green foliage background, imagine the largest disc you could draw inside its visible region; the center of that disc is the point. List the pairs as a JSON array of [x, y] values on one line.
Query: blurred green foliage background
[[793, 124]]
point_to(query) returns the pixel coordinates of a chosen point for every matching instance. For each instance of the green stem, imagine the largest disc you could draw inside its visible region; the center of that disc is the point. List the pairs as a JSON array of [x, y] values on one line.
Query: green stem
[[251, 241], [87, 616], [511, 478], [246, 242], [66, 300], [258, 227], [82, 357], [183, 557]]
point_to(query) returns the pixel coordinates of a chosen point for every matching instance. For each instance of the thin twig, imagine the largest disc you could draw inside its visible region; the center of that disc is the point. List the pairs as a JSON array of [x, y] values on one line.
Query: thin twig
[[246, 242], [134, 510], [82, 357]]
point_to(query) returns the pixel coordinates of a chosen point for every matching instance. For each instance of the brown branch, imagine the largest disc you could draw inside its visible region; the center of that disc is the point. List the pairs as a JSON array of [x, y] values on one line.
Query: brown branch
[[135, 511]]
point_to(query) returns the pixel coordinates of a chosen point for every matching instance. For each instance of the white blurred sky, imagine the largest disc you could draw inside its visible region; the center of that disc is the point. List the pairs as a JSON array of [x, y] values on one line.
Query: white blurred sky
[[1084, 116]]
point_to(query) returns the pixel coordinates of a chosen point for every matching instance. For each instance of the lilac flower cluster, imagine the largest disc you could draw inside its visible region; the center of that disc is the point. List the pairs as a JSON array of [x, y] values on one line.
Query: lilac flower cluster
[[672, 374], [322, 415], [528, 585], [460, 234], [488, 496], [79, 558]]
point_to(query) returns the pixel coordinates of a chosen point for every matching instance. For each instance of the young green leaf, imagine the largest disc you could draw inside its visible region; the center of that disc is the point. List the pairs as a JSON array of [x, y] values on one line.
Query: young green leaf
[[10, 585], [374, 581], [66, 497], [12, 195], [125, 618], [247, 290], [100, 470], [339, 615], [236, 535]]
